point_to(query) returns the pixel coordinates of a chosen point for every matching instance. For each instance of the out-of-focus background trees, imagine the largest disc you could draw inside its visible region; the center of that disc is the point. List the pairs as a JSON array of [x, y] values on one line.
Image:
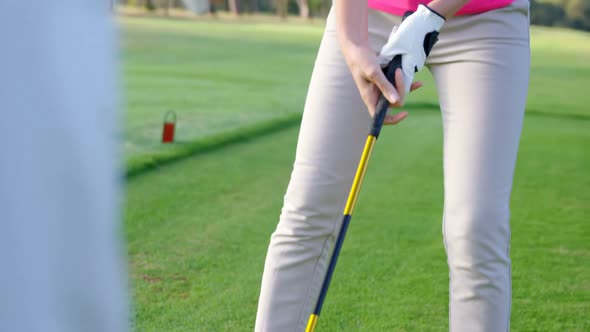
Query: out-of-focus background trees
[[283, 8], [565, 13]]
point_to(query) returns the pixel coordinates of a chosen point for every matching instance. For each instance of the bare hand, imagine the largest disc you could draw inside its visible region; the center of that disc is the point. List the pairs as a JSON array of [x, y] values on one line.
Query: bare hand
[[370, 81]]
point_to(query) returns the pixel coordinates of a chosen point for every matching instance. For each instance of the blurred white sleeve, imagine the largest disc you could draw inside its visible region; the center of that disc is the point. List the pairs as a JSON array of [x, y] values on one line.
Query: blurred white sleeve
[[61, 259]]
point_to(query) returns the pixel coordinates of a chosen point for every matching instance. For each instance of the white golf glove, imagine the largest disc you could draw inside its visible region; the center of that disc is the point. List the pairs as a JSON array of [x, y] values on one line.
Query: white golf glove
[[412, 39]]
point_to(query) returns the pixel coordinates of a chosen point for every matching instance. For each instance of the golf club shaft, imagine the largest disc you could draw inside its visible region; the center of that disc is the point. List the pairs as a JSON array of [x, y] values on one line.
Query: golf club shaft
[[356, 186], [381, 111]]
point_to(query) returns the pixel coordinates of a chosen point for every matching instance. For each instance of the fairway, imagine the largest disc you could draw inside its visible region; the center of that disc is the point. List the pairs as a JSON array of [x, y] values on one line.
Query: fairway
[[198, 232], [216, 77], [198, 229], [221, 77]]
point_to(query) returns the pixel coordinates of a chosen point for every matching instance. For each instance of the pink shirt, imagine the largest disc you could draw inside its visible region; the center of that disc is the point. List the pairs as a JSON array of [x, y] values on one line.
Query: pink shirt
[[399, 7]]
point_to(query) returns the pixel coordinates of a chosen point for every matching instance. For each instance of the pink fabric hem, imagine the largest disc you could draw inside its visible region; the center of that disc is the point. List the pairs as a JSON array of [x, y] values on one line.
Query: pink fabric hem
[[398, 8]]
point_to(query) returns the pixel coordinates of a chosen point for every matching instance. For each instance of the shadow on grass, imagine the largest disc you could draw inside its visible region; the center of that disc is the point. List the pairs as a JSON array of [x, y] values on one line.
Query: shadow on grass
[[181, 150], [178, 151]]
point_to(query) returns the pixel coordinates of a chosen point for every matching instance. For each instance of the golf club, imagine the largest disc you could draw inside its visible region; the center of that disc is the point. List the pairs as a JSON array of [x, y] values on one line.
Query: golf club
[[379, 117]]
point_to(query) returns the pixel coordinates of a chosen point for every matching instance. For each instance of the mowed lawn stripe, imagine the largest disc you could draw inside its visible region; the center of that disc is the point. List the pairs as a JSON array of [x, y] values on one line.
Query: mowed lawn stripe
[[221, 75], [217, 77]]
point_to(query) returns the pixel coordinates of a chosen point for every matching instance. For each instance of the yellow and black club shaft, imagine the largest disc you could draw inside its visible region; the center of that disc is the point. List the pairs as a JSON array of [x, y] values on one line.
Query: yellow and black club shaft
[[380, 113]]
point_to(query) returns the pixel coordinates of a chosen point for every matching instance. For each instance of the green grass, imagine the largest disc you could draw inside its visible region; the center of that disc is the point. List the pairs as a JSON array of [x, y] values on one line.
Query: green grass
[[224, 76], [198, 228], [216, 77], [198, 232], [560, 71]]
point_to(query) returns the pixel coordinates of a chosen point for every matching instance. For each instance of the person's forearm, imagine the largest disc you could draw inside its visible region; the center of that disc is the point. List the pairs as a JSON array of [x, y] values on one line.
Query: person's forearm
[[351, 22], [447, 8]]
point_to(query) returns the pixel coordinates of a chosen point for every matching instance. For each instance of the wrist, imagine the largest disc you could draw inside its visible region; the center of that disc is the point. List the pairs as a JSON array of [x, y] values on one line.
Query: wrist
[[352, 53], [435, 12], [446, 8], [348, 45]]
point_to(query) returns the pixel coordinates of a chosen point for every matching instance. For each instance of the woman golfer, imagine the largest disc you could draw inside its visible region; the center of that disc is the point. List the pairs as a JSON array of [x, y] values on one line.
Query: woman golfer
[[481, 67]]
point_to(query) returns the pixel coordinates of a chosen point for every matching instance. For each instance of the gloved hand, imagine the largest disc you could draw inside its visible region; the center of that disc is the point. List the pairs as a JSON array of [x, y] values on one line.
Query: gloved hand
[[412, 39]]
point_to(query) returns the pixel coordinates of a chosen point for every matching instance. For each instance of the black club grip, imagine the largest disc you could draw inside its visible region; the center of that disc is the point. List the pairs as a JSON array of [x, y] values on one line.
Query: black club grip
[[383, 103]]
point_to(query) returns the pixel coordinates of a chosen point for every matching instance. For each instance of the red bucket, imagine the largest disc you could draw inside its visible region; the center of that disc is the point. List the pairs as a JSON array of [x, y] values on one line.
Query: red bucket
[[169, 127]]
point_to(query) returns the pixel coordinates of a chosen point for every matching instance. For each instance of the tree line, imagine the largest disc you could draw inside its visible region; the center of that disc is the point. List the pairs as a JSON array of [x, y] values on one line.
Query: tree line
[[283, 8], [567, 13]]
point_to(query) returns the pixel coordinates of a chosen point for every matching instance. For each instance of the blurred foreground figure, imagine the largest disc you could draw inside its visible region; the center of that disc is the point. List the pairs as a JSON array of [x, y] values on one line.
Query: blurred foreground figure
[[61, 259]]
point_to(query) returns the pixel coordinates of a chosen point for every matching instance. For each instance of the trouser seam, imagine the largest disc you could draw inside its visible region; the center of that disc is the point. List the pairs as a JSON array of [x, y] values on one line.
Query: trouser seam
[[316, 270], [448, 264]]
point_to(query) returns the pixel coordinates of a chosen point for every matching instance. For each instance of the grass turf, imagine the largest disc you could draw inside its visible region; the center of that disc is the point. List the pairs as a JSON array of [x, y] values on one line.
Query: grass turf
[[221, 77], [216, 77], [198, 232], [198, 229]]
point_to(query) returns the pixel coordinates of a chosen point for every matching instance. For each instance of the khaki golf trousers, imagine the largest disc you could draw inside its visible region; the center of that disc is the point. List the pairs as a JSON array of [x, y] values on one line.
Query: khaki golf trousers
[[481, 69]]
